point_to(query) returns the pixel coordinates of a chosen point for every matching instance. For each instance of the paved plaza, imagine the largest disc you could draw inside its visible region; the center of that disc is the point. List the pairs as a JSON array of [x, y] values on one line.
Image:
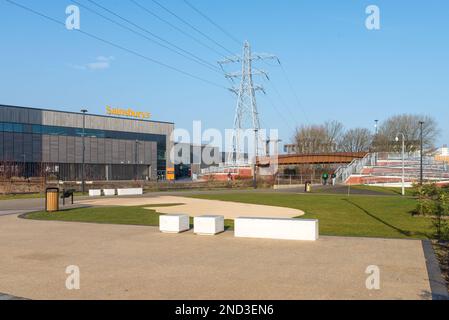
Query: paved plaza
[[138, 262]]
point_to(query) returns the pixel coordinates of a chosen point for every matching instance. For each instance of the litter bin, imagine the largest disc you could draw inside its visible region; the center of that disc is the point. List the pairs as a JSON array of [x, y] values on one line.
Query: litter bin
[[308, 187], [52, 199]]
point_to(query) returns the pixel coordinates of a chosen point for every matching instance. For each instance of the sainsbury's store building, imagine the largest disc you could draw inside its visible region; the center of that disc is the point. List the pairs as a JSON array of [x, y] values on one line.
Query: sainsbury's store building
[[41, 142]]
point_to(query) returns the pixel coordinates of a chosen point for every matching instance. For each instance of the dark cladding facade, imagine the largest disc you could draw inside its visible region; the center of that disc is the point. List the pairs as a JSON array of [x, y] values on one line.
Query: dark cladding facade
[[39, 142]]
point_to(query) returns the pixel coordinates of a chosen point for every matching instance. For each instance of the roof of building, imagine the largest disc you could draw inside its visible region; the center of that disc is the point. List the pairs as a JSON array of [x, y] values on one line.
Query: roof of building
[[90, 114]]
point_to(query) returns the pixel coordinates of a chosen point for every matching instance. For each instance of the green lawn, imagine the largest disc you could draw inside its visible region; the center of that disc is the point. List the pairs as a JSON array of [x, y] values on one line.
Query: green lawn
[[28, 196], [21, 196], [109, 215], [339, 215], [364, 216], [386, 190]]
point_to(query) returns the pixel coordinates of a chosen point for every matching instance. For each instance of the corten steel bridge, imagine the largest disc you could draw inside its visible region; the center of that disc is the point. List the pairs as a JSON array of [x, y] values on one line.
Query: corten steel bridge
[[318, 158]]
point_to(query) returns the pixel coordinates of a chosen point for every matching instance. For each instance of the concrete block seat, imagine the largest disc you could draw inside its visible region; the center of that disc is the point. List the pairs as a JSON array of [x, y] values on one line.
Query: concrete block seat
[[130, 192], [109, 192], [208, 225], [94, 192], [276, 228], [174, 223]]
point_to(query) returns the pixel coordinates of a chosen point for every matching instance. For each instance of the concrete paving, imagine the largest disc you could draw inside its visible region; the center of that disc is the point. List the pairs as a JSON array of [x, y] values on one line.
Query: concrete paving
[[131, 262], [197, 207]]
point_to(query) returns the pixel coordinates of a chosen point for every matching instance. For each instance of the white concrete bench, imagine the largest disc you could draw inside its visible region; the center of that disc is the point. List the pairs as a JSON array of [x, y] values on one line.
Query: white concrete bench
[[109, 192], [174, 223], [94, 192], [276, 228], [208, 225], [129, 192]]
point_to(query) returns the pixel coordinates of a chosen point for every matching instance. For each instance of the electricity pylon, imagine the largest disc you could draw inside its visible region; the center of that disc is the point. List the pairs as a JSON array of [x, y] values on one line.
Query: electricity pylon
[[246, 113]]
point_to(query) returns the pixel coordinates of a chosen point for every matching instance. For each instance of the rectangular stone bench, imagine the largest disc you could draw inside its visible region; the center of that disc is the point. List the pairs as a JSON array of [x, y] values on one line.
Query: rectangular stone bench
[[94, 192], [130, 192], [174, 223], [109, 192], [208, 225], [276, 228]]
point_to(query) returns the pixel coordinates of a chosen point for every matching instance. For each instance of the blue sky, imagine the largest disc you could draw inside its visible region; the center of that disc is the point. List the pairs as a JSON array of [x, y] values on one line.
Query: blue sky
[[338, 68]]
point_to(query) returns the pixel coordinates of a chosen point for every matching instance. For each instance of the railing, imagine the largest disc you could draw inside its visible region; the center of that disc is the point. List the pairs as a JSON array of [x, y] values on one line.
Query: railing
[[283, 180], [222, 168], [433, 169], [356, 166]]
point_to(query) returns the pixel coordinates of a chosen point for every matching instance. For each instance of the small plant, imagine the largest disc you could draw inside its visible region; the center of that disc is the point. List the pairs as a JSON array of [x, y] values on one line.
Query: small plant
[[433, 201]]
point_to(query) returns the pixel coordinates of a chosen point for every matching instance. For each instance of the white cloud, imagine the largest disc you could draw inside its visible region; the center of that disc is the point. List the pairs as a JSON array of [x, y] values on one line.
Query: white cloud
[[100, 63]]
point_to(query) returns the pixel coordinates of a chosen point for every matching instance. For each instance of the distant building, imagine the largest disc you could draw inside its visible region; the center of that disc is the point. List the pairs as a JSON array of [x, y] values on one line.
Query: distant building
[[290, 149], [190, 159], [42, 142], [442, 154]]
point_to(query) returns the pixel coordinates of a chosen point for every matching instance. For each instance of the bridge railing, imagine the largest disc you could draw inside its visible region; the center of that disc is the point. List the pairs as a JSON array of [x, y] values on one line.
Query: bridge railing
[[356, 166]]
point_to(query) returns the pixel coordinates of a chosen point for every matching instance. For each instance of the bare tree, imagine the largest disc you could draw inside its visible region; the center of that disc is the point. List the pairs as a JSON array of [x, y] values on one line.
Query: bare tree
[[319, 138], [409, 125], [356, 140], [309, 139], [334, 133]]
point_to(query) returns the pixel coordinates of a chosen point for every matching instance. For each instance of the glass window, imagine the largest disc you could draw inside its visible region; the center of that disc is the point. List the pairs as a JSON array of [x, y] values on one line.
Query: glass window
[[69, 131], [17, 127], [36, 128], [27, 128], [8, 127]]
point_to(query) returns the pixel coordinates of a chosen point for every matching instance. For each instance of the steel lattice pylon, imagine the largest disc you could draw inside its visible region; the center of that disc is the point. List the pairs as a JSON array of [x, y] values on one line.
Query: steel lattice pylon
[[246, 112]]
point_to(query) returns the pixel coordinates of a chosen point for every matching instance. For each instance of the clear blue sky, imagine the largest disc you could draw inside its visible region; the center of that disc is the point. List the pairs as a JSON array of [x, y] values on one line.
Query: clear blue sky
[[339, 69]]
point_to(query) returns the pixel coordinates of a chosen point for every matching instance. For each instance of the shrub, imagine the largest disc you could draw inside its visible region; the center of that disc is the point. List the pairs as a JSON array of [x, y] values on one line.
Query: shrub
[[434, 202]]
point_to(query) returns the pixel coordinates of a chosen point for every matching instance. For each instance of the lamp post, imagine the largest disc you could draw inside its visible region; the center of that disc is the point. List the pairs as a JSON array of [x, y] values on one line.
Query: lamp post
[[256, 149], [403, 160], [136, 160], [421, 179], [83, 182], [376, 126]]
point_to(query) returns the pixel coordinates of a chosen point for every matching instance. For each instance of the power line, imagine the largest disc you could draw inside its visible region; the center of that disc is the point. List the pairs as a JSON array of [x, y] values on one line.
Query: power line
[[282, 100], [281, 115], [195, 59], [152, 34], [191, 26], [90, 35], [294, 91], [174, 26], [212, 22]]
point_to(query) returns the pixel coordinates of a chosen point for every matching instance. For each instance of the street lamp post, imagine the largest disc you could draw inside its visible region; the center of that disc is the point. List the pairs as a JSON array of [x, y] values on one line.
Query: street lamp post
[[403, 160], [421, 180], [83, 182], [376, 126], [136, 160], [256, 149]]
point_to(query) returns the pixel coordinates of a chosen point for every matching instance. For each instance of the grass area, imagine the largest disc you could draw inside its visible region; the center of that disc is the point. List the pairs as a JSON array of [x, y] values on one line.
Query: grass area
[[386, 190], [364, 216], [137, 215], [21, 196], [339, 215], [29, 196]]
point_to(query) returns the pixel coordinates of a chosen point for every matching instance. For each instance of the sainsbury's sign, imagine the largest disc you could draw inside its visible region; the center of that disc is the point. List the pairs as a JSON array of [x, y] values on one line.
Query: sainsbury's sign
[[127, 113]]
